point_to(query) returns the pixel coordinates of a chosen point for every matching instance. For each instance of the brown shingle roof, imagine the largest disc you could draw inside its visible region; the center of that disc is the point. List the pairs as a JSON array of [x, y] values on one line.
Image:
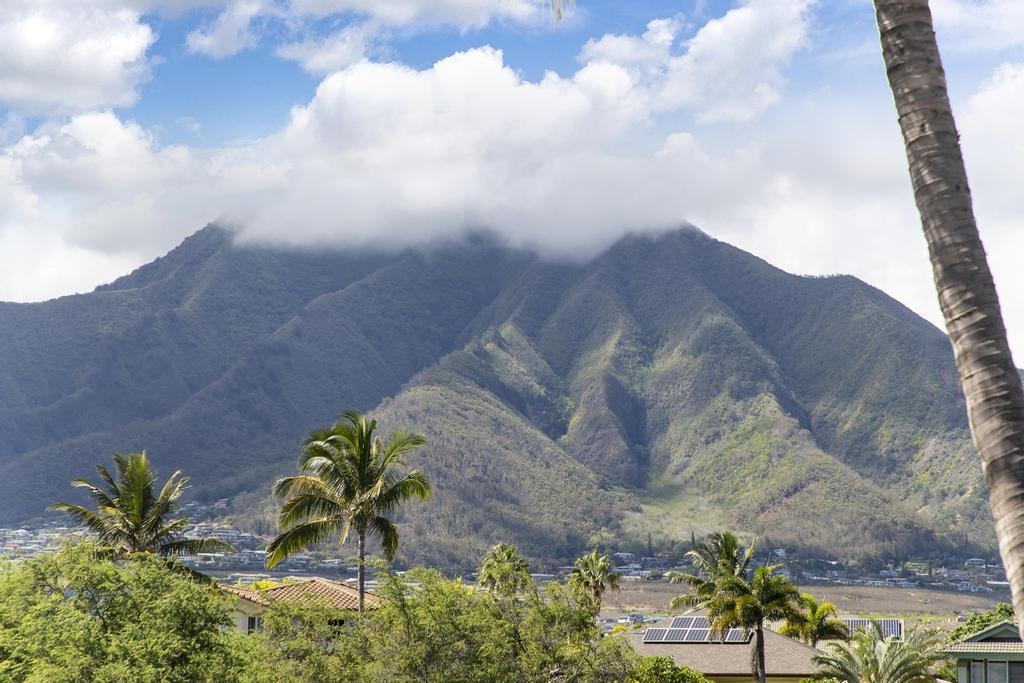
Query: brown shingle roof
[[335, 594], [783, 656]]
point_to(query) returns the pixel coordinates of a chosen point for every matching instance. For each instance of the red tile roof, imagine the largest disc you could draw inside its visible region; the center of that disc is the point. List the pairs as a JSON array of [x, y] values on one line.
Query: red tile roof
[[335, 594]]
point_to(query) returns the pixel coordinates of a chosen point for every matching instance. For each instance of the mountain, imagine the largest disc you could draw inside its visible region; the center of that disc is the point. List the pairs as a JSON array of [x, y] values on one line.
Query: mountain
[[673, 384]]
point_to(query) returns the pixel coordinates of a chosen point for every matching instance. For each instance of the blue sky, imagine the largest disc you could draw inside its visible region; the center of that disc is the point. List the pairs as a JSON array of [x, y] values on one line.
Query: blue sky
[[125, 125]]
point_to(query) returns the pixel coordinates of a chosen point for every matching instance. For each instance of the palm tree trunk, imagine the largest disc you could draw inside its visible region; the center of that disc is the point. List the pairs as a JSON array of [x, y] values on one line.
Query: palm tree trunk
[[759, 645], [362, 569], [967, 294]]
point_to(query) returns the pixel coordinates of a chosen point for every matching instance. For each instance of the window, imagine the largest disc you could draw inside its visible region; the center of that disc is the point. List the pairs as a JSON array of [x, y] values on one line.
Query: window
[[996, 672], [1016, 672], [977, 672], [256, 624]]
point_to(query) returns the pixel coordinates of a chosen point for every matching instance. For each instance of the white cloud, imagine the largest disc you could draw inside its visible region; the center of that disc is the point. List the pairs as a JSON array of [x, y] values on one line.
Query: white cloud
[[388, 154], [98, 185], [974, 25], [229, 34], [730, 70], [72, 58], [464, 13], [337, 51]]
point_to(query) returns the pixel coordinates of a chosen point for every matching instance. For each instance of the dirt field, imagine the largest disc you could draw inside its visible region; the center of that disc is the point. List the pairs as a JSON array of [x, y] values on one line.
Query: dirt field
[[908, 603]]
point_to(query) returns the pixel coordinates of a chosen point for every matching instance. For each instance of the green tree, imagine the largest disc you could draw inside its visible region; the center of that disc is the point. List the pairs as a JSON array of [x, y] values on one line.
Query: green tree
[[79, 615], [967, 293], [504, 572], [740, 603], [819, 621], [350, 482], [431, 629], [1002, 611], [130, 518], [733, 598], [719, 557], [870, 657], [664, 670], [591, 575]]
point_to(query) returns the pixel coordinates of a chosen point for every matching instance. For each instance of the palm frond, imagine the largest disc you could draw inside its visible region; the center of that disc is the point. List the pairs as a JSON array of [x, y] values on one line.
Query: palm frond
[[559, 7], [302, 506], [386, 532], [191, 546], [302, 536]]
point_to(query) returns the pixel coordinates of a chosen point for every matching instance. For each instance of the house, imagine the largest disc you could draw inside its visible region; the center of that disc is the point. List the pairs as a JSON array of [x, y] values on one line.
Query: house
[[685, 641], [995, 655], [251, 604]]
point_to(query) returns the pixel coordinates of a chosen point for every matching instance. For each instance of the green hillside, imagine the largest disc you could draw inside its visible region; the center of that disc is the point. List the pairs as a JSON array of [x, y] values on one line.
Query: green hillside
[[672, 384]]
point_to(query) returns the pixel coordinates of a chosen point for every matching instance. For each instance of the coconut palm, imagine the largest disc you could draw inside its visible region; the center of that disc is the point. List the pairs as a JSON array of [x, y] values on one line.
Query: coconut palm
[[719, 557], [504, 571], [967, 293], [129, 518], [349, 482], [870, 657], [731, 597], [739, 603], [591, 576], [818, 622]]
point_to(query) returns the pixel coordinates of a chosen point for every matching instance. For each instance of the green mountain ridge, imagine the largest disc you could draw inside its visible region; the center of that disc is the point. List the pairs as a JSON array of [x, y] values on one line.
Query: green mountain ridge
[[672, 384]]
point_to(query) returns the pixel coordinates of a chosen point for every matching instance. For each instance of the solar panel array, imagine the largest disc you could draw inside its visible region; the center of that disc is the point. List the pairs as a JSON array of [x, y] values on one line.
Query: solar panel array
[[694, 630], [890, 627]]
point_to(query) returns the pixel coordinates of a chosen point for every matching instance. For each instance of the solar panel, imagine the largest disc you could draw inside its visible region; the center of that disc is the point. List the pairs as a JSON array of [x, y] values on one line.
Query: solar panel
[[736, 635], [654, 635], [696, 635], [694, 630]]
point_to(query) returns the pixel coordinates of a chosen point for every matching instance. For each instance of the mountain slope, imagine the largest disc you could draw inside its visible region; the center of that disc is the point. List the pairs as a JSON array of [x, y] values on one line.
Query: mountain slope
[[672, 384]]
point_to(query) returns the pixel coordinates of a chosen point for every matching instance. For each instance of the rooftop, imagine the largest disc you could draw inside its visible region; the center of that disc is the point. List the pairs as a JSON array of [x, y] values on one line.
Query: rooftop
[[319, 590], [783, 656]]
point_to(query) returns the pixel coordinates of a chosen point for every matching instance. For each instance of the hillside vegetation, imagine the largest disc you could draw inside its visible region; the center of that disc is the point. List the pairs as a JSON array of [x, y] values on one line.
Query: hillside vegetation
[[672, 384]]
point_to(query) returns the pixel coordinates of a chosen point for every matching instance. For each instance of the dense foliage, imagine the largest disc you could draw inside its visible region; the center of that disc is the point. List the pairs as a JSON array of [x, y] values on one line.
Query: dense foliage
[[74, 616], [80, 615], [432, 629], [665, 370], [1002, 611]]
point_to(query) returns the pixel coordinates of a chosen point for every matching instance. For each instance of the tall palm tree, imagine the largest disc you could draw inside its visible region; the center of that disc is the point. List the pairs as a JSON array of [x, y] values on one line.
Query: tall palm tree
[[129, 518], [872, 658], [591, 576], [504, 571], [967, 293], [719, 557], [739, 603], [818, 622], [349, 482], [731, 597]]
